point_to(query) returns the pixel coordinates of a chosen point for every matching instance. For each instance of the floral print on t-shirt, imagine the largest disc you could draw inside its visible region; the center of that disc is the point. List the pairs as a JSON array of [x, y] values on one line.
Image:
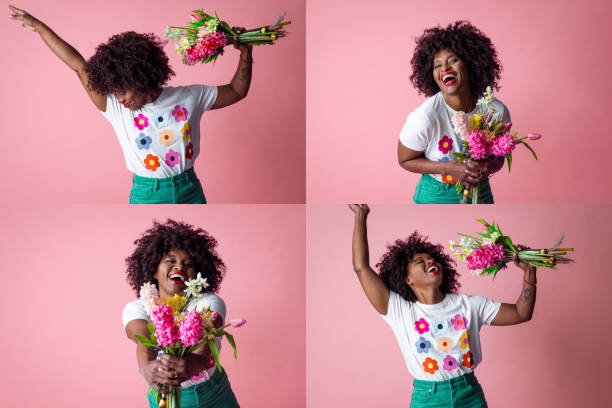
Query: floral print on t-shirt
[[164, 134], [443, 343]]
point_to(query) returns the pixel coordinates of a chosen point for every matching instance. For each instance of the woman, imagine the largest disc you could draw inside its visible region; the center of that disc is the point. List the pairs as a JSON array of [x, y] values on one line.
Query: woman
[[452, 66], [437, 329], [168, 255], [158, 126]]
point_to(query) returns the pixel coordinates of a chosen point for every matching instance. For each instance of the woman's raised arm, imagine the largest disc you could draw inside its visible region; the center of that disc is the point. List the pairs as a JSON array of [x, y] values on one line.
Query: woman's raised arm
[[64, 51], [374, 288]]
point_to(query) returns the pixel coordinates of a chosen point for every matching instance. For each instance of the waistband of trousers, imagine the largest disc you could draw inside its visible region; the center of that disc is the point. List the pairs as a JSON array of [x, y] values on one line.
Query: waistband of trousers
[[463, 380], [187, 175]]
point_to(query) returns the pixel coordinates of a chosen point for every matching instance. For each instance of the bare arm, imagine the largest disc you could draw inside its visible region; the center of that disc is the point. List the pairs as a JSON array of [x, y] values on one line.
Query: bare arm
[[522, 310], [375, 289], [238, 88], [64, 51], [150, 368]]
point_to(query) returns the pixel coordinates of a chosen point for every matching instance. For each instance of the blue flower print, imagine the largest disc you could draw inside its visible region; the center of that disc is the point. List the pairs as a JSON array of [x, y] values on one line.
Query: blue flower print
[[444, 159], [440, 327], [422, 345], [160, 119], [143, 141]]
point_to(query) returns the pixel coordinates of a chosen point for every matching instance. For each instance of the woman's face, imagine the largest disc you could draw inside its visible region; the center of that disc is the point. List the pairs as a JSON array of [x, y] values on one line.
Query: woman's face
[[131, 99], [450, 73], [423, 271], [174, 269]]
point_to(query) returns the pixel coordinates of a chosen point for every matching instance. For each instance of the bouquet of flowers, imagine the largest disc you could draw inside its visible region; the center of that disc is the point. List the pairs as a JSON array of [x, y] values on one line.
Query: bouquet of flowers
[[177, 331], [485, 135], [205, 37], [492, 250]]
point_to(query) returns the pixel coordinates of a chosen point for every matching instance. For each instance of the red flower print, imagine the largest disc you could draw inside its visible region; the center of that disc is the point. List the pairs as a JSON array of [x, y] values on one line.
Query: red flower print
[[189, 151], [430, 365], [151, 162], [447, 178], [445, 144], [467, 360]]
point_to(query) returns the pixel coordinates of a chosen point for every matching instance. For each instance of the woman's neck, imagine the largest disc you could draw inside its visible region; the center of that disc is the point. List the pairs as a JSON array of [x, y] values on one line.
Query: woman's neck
[[429, 296], [463, 102]]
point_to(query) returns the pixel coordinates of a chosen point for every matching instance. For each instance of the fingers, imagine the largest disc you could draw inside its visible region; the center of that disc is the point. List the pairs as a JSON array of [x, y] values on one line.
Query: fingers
[[164, 376], [175, 364]]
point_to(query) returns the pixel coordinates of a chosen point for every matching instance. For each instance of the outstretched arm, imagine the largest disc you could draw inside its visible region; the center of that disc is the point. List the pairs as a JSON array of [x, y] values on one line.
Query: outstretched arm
[[66, 52], [154, 372], [374, 288], [522, 310], [239, 87]]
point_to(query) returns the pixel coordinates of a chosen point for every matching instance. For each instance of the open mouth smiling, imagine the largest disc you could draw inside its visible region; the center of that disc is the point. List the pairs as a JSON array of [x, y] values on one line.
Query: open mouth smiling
[[433, 269], [177, 278], [448, 78]]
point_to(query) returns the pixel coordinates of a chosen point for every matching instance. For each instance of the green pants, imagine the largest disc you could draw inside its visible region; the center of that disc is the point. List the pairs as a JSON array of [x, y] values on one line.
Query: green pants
[[214, 393], [184, 188], [458, 392], [431, 191]]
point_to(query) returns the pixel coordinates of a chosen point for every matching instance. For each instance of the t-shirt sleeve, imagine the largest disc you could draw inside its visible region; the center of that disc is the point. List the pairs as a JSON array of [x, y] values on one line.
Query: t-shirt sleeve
[[112, 107], [213, 301], [486, 308], [134, 310], [205, 96], [416, 133], [394, 309]]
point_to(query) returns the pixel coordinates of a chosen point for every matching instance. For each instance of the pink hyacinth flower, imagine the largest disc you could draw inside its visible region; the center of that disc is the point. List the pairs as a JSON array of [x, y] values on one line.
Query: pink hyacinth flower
[[237, 322], [163, 322], [534, 136], [502, 145], [485, 256], [477, 142], [190, 329]]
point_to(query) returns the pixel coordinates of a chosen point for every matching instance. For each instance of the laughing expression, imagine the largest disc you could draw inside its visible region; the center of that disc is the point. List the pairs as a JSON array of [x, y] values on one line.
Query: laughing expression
[[174, 269], [450, 73], [423, 270]]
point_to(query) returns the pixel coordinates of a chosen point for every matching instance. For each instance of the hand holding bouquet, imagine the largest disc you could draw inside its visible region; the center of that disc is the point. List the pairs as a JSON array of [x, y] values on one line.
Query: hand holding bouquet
[[484, 135], [205, 37], [491, 251], [177, 331]]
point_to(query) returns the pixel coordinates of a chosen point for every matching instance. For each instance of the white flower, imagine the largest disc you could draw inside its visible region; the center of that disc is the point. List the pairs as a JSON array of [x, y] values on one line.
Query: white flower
[[451, 244], [487, 98], [195, 286], [150, 296]]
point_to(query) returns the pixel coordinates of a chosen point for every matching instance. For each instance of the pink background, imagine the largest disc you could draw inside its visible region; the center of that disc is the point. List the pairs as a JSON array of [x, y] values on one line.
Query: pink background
[[555, 59], [58, 148], [557, 359], [63, 340]]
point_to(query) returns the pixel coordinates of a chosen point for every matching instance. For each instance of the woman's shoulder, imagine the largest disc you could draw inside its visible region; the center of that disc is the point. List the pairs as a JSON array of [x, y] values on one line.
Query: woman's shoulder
[[210, 300]]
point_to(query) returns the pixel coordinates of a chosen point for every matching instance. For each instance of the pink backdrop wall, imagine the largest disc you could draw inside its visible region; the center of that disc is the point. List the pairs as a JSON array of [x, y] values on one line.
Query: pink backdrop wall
[[63, 338], [59, 148], [359, 94], [557, 359]]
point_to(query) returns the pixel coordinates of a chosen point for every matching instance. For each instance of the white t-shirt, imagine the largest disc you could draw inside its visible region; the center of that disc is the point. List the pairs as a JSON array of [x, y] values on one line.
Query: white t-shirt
[[162, 138], [440, 341], [137, 310], [429, 129]]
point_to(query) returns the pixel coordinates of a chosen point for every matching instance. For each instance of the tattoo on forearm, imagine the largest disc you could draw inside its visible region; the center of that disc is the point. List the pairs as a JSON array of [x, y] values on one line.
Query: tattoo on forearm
[[526, 294], [245, 73]]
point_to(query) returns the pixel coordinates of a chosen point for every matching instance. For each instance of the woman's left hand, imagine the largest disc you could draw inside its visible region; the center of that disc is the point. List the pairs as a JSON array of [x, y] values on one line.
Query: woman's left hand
[[184, 367], [237, 44], [479, 169], [523, 265]]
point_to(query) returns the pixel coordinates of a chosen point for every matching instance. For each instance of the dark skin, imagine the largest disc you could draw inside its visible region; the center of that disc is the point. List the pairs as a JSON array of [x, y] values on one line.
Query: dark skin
[[424, 276], [459, 97], [169, 370], [134, 99]]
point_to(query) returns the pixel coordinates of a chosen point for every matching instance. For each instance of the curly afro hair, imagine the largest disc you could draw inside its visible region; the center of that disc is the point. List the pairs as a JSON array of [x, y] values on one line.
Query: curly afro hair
[[469, 43], [129, 61], [393, 266], [157, 241]]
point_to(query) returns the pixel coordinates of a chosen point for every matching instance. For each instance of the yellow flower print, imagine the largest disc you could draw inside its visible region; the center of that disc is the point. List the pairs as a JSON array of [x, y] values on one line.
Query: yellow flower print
[[464, 341], [186, 131]]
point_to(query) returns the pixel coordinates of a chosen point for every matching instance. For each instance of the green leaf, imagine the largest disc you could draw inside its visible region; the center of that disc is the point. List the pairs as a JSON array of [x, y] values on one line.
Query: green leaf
[[460, 156], [483, 222], [509, 158], [145, 342], [508, 242], [231, 341], [214, 351], [151, 328], [535, 156]]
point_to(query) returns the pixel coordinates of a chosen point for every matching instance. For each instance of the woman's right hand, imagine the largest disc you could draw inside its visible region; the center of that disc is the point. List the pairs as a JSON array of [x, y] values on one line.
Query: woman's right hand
[[27, 21], [157, 376], [468, 172], [360, 209]]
